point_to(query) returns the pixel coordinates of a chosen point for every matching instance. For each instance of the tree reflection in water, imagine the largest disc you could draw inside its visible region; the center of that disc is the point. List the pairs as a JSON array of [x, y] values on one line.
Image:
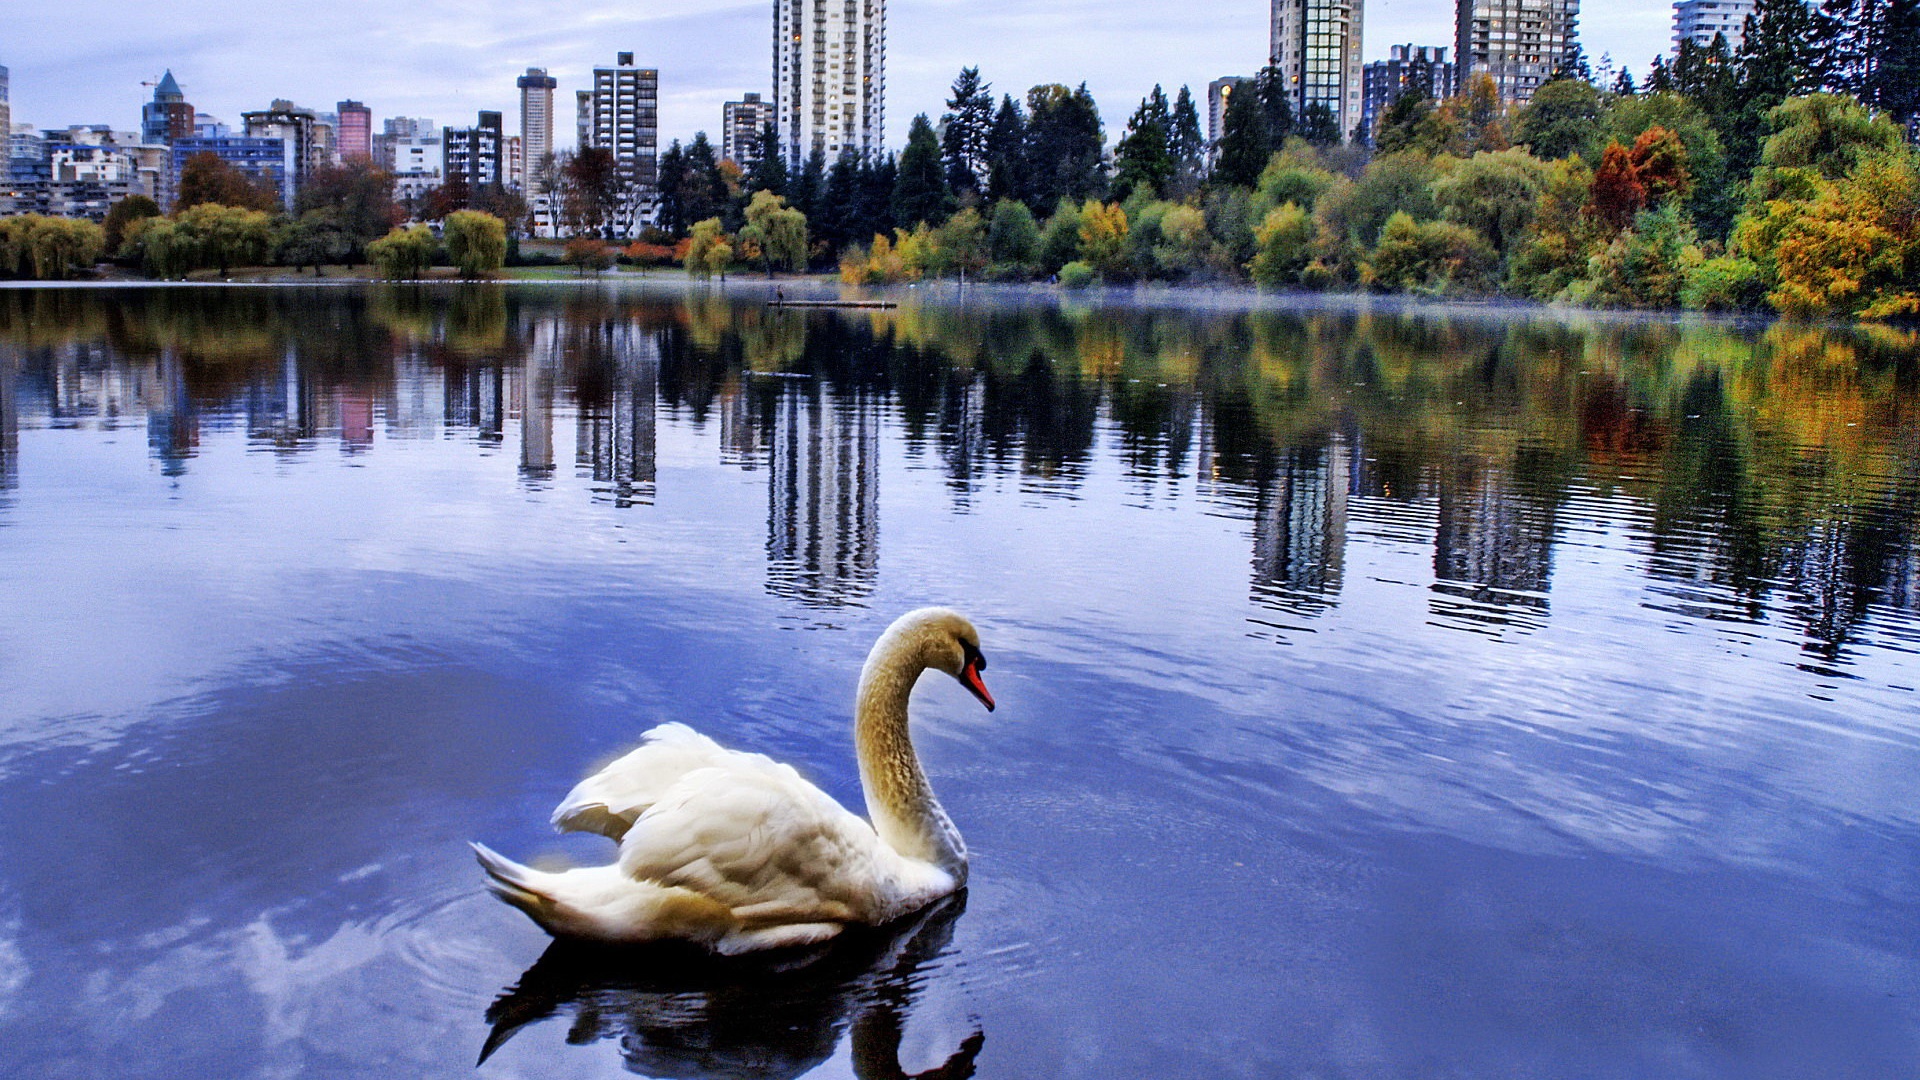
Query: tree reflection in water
[[682, 1013]]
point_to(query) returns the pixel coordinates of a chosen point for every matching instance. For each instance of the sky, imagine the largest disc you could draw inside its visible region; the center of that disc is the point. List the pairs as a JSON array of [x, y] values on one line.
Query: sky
[[83, 61]]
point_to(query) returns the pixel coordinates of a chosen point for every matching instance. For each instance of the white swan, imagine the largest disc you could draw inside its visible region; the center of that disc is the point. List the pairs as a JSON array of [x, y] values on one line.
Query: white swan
[[736, 852]]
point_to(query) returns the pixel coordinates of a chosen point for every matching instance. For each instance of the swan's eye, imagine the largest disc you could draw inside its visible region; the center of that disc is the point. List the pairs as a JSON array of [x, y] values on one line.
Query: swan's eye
[[974, 656]]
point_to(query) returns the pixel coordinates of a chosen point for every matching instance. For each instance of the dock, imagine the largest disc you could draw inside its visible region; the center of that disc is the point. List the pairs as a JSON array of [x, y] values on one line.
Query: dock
[[833, 303]]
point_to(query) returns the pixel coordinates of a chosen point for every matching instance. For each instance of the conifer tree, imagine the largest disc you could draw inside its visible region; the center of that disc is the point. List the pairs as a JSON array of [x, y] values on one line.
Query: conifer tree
[[1244, 140], [920, 192], [1144, 157], [968, 124], [1185, 142], [769, 172], [1007, 152]]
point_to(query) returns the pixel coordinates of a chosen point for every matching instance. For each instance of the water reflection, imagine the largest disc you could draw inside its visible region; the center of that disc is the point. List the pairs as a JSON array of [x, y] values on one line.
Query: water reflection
[[1762, 472], [680, 1014]]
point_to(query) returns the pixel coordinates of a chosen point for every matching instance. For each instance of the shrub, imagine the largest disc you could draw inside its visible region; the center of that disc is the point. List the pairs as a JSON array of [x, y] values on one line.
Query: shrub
[[1285, 241], [1431, 257], [1728, 283], [1076, 275], [585, 253]]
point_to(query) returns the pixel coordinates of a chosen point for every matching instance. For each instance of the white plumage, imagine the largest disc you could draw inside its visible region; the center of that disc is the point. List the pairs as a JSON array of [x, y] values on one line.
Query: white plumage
[[738, 852]]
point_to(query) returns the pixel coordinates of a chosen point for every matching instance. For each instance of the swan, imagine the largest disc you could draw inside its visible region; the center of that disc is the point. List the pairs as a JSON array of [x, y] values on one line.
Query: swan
[[736, 852]]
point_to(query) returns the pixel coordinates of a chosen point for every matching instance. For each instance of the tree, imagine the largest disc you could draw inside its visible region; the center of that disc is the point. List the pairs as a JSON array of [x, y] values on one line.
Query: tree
[[1144, 155], [960, 245], [476, 242], [404, 253], [453, 195], [228, 236], [1186, 143], [779, 232], [1284, 240], [1319, 126], [1399, 127], [1243, 149], [313, 239], [1617, 194], [1494, 194], [968, 128], [121, 216], [1563, 119], [769, 172], [585, 253], [920, 189], [1274, 96], [1064, 145], [1431, 257], [1013, 238], [708, 251], [207, 179], [591, 190], [809, 188], [1007, 152], [1660, 161], [702, 190], [1874, 47], [359, 198], [51, 249], [1780, 57], [1103, 236], [1854, 248]]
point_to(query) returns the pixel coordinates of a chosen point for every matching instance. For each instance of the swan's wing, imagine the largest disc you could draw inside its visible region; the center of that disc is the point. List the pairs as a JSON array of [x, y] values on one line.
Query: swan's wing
[[755, 836], [609, 801]]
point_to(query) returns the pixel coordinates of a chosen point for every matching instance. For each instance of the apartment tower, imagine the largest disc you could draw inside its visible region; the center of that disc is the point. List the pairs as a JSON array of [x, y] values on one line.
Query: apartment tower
[[1519, 43], [1316, 46], [536, 123], [1699, 20], [168, 116], [6, 112], [354, 137], [740, 125], [626, 120], [829, 76]]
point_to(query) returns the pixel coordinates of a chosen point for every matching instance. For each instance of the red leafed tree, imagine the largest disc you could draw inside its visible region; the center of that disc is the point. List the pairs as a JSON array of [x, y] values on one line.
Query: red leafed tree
[[1617, 193], [1660, 160]]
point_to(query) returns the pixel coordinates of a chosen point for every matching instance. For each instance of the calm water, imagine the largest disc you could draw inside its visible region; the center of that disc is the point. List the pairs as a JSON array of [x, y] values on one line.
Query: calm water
[[1383, 693]]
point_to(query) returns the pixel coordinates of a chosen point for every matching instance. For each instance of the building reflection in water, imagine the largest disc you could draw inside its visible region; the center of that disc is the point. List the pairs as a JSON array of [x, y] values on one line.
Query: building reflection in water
[[1300, 527], [823, 494], [281, 409], [616, 389], [1492, 549], [534, 402], [173, 423], [9, 429]]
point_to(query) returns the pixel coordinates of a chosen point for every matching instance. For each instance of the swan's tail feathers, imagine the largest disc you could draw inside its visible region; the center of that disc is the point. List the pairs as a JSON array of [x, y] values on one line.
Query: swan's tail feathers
[[514, 884]]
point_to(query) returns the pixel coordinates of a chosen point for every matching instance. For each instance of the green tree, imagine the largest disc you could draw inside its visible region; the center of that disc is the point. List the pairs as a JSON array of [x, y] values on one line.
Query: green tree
[[1285, 241], [404, 253], [49, 248], [967, 128], [708, 250], [1399, 128], [1495, 194], [121, 216], [778, 231], [1144, 156], [920, 190], [1319, 126], [960, 245], [1187, 145], [1007, 171], [228, 236], [1562, 120], [1060, 238], [314, 239], [1013, 239], [769, 172], [476, 242], [1184, 244], [1065, 145], [1431, 257], [1244, 144], [359, 198]]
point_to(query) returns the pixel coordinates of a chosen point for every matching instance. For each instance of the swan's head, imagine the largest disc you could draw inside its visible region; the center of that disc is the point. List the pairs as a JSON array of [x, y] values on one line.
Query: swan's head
[[945, 640]]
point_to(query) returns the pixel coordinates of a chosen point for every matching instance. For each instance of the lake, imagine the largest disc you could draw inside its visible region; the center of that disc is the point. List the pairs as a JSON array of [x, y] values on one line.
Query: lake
[[1385, 690]]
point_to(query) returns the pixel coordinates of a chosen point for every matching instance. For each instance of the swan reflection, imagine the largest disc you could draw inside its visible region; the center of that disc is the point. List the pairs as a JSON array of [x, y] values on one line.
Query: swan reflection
[[683, 1013]]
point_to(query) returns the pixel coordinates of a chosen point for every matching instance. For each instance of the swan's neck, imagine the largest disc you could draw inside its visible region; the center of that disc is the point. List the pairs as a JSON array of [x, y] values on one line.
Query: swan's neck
[[899, 800]]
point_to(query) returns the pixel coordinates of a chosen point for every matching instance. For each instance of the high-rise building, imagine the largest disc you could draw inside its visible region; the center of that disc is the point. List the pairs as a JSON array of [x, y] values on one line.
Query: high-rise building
[[740, 126], [1423, 69], [536, 123], [626, 120], [355, 136], [268, 162], [168, 116], [309, 139], [410, 150], [1316, 46], [829, 76], [6, 107], [583, 119], [1219, 95], [1699, 20], [476, 154], [1518, 43]]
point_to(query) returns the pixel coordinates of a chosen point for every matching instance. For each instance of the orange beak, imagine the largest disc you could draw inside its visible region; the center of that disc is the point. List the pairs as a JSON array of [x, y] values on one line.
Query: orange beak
[[970, 678]]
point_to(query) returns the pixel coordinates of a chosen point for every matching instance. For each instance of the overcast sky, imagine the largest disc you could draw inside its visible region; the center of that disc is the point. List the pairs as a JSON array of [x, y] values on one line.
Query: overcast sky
[[83, 61]]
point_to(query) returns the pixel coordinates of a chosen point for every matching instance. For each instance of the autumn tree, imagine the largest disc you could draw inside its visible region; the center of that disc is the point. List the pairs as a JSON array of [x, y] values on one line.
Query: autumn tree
[[1617, 193], [777, 230], [207, 179], [476, 242]]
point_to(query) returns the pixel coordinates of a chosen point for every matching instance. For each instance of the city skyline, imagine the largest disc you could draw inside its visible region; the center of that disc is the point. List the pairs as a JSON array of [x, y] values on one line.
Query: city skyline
[[85, 62]]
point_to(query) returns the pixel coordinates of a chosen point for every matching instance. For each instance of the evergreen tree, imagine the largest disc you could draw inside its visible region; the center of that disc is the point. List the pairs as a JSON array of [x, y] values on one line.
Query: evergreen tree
[[1144, 155], [1064, 145], [1400, 125], [878, 176], [809, 188], [1875, 53], [703, 192], [968, 126], [1562, 119], [1659, 80], [1781, 56], [920, 192], [1319, 126], [840, 219], [1276, 105], [769, 172], [1007, 152], [1244, 142], [1185, 142], [672, 179]]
